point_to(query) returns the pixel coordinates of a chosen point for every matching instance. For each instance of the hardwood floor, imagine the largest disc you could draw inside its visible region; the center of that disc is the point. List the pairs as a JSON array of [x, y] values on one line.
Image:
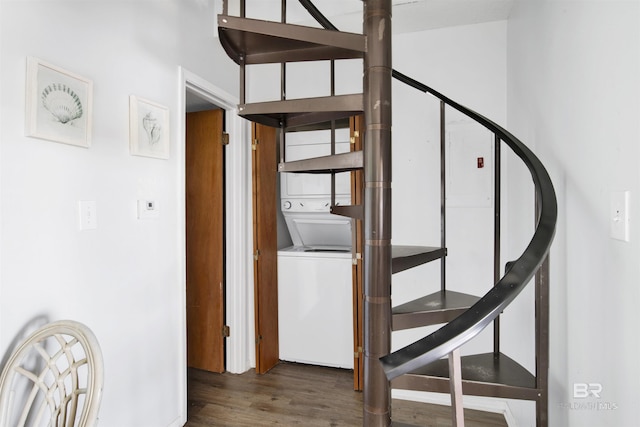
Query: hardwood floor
[[301, 395]]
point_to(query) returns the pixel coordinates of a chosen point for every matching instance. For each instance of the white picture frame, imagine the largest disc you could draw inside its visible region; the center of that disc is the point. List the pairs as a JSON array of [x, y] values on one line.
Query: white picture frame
[[58, 104], [148, 128]]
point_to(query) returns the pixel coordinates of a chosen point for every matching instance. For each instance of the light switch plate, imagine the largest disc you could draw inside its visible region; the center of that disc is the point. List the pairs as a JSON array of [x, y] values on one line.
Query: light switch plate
[[619, 215], [87, 215]]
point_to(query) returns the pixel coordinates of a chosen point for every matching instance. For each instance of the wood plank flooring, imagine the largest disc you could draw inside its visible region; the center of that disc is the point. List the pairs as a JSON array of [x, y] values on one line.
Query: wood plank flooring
[[301, 395]]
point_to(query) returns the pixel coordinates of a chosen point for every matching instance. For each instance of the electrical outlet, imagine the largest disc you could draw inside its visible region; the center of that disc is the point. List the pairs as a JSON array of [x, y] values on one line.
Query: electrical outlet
[[619, 215]]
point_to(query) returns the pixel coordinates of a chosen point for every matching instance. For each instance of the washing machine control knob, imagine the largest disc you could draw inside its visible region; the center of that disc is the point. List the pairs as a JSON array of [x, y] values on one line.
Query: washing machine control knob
[[287, 205]]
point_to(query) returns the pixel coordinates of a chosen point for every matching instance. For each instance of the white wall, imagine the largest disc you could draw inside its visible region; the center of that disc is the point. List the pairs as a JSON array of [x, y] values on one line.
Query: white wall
[[573, 95], [124, 279]]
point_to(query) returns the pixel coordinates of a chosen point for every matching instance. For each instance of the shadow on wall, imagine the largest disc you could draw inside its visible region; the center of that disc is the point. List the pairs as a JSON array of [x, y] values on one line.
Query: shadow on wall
[[30, 327]]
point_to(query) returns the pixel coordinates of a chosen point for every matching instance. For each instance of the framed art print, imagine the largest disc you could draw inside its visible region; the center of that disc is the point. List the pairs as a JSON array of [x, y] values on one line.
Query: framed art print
[[148, 128], [58, 104]]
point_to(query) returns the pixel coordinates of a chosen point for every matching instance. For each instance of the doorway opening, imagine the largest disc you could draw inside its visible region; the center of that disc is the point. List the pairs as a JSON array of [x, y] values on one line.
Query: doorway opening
[[238, 353]]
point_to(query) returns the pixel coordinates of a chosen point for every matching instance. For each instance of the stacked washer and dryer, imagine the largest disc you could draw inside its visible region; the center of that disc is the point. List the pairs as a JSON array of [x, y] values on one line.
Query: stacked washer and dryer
[[315, 302]]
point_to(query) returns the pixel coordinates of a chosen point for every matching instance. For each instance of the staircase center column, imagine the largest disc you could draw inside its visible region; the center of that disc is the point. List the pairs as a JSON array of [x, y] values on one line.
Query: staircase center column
[[377, 206]]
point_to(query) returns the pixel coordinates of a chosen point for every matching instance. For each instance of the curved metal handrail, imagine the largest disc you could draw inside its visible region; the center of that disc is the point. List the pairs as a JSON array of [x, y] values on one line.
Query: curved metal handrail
[[317, 15], [469, 324]]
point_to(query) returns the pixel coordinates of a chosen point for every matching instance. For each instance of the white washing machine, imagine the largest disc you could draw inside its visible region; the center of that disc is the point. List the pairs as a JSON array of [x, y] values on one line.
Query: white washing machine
[[315, 306], [315, 302]]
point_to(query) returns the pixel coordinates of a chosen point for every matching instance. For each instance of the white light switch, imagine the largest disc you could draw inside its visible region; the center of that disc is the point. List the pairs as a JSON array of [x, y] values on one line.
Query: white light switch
[[619, 215], [87, 215], [148, 209]]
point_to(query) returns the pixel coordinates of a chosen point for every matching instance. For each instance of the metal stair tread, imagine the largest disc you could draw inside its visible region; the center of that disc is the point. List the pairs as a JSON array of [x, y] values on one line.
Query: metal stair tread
[[483, 374], [406, 257], [351, 211], [292, 113], [432, 309], [262, 42], [343, 162]]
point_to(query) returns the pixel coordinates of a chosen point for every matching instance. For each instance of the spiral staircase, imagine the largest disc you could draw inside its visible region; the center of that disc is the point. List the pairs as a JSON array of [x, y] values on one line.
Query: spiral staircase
[[419, 366]]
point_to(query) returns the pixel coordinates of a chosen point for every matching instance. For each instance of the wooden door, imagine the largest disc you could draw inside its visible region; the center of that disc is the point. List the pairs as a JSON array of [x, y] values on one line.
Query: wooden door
[[205, 240], [265, 245]]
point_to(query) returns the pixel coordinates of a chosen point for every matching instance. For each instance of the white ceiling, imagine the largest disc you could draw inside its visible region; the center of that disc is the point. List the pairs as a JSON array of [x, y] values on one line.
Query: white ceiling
[[408, 15]]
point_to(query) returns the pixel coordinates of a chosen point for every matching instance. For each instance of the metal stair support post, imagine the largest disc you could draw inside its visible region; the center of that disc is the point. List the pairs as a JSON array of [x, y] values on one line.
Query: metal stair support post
[[443, 195], [377, 233], [497, 195], [455, 385]]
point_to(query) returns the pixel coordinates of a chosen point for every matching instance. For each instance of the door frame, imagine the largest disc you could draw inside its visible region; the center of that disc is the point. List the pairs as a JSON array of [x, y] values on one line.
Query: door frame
[[240, 354]]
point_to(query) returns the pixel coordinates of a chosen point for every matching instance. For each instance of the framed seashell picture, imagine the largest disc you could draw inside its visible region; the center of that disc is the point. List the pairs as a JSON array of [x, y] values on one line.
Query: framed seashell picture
[[148, 128], [58, 104]]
